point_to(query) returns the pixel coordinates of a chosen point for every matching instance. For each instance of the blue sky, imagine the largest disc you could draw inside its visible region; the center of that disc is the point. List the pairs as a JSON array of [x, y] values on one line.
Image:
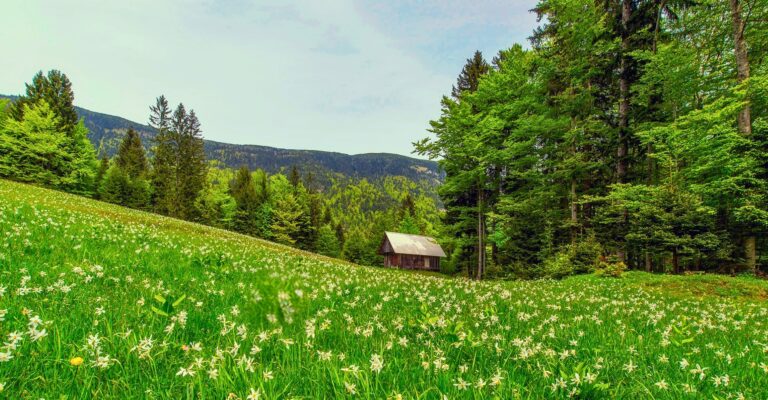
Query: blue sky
[[347, 76]]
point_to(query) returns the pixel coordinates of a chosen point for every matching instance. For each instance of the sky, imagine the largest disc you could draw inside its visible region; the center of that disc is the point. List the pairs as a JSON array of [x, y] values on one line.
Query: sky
[[335, 75]]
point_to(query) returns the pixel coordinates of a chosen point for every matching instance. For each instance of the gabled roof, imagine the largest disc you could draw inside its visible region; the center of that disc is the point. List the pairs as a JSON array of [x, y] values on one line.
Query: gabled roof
[[403, 243]]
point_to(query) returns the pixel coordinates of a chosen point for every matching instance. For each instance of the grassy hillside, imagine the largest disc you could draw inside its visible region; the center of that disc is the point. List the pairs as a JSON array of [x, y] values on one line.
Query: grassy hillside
[[98, 301]]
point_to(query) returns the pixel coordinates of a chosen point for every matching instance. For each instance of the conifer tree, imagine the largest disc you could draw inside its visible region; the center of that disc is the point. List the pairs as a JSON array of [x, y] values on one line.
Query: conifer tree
[[295, 177], [327, 243], [126, 182], [164, 162], [131, 157], [243, 191], [100, 174], [469, 77], [286, 219], [56, 89], [191, 164]]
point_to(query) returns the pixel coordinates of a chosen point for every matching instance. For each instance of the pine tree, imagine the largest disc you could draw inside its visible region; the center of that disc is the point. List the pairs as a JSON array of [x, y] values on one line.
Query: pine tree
[[295, 177], [164, 162], [469, 77], [56, 90], [466, 182], [248, 203], [327, 243], [191, 164], [100, 174], [286, 219], [126, 182], [131, 157]]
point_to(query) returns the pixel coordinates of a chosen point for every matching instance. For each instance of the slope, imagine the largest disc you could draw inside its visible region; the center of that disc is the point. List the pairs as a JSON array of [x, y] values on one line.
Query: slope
[[98, 301]]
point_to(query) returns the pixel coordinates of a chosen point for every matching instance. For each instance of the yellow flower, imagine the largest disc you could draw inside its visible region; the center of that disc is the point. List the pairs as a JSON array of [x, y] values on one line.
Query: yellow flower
[[76, 361]]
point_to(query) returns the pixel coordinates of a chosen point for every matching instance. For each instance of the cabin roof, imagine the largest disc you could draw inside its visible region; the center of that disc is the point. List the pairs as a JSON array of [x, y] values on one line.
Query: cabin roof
[[403, 243]]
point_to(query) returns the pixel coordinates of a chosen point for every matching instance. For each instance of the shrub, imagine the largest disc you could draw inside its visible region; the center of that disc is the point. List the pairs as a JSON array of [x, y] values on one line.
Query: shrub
[[610, 269], [585, 255], [558, 266]]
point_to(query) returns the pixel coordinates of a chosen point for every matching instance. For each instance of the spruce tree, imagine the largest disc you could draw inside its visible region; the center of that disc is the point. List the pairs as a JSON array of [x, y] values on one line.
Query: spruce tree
[[243, 190], [327, 243], [286, 217], [56, 90], [295, 177], [100, 175], [131, 157], [164, 160], [469, 77], [191, 168]]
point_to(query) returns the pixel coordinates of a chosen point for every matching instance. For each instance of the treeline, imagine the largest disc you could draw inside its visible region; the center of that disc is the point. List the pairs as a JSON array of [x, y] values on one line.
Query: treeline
[[632, 133], [43, 142]]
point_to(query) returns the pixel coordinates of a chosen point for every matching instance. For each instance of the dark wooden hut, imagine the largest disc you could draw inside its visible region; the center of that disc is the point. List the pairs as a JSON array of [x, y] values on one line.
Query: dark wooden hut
[[411, 251]]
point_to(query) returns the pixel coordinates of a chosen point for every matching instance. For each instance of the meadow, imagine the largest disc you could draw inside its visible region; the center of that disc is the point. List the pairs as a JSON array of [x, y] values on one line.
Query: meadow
[[99, 301]]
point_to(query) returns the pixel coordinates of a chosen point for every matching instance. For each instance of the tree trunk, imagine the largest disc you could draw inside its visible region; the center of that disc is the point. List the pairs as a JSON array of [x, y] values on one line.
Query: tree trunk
[[744, 119], [648, 265], [675, 261], [621, 167], [574, 213], [742, 62], [480, 234], [621, 153], [750, 250]]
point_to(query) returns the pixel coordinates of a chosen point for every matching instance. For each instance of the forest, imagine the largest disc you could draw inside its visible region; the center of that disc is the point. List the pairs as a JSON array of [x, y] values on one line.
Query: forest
[[42, 141], [631, 134]]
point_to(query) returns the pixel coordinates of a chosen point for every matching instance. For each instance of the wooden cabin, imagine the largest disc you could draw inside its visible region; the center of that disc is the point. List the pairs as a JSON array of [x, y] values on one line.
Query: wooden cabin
[[411, 251]]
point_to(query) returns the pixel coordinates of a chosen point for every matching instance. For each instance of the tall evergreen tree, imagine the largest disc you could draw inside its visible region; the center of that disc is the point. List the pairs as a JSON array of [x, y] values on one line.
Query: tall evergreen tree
[[243, 190], [56, 89], [191, 167], [469, 77], [164, 162], [131, 157], [465, 187]]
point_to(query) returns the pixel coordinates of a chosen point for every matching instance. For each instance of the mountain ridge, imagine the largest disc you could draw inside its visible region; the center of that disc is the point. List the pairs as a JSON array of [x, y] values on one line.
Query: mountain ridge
[[106, 131]]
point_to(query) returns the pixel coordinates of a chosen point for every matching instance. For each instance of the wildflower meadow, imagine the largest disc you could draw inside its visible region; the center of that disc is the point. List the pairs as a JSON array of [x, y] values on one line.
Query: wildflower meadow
[[99, 301]]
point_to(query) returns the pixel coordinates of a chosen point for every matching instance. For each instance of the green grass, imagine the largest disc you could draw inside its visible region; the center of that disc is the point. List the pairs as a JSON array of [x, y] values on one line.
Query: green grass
[[287, 324]]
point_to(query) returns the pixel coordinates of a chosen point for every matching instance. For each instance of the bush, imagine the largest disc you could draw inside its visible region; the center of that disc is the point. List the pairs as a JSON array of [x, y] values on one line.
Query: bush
[[577, 258], [558, 266], [585, 255], [610, 269]]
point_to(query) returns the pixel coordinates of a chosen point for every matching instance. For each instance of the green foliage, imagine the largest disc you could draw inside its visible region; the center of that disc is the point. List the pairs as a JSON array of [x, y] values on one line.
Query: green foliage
[[610, 269], [243, 191], [131, 157], [557, 266], [327, 243], [361, 249], [286, 215], [35, 150], [120, 188], [408, 225], [56, 90], [623, 125]]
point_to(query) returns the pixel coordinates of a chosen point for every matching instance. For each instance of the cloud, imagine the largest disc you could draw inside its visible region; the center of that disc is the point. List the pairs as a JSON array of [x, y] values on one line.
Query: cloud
[[333, 75]]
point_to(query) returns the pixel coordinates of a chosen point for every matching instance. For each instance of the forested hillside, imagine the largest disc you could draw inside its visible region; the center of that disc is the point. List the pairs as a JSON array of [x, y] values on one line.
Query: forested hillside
[[45, 141], [107, 131]]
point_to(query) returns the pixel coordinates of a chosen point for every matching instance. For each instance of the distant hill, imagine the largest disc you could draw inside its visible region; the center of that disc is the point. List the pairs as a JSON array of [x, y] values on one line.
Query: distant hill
[[107, 130]]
